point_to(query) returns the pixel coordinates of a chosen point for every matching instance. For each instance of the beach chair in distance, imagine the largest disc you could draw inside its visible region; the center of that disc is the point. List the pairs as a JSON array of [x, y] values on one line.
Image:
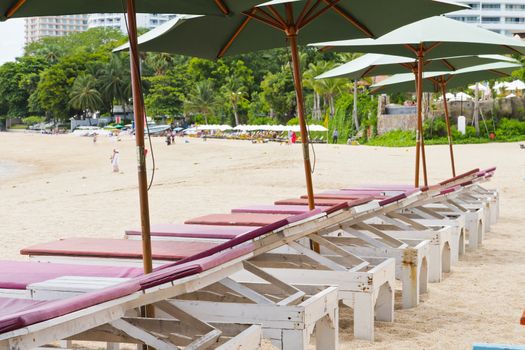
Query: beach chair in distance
[[411, 258], [397, 228], [102, 315]]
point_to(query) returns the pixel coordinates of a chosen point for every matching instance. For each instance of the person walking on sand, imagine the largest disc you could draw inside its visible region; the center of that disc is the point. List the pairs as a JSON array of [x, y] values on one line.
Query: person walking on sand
[[115, 160], [94, 138], [335, 135]]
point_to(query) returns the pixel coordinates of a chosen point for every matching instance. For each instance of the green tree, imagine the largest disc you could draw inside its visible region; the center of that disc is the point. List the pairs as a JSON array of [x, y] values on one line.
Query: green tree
[[278, 93], [84, 95], [201, 100], [115, 82]]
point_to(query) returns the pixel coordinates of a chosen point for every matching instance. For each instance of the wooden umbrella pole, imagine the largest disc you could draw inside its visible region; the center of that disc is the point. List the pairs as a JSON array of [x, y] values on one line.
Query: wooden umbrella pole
[[447, 121], [420, 140], [138, 111], [292, 37]]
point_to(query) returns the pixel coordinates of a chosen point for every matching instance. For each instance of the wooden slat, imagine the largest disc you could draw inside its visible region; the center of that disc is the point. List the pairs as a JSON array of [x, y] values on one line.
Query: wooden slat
[[245, 291], [390, 240], [182, 316], [317, 257], [351, 258], [142, 335]]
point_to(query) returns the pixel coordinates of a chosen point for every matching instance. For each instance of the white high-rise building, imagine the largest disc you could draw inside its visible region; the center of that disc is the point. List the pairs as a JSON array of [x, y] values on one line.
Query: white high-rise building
[[504, 16], [39, 27], [117, 20]]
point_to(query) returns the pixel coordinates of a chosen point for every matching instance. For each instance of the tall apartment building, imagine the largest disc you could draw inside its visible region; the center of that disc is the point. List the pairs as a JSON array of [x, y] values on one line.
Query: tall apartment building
[[117, 20], [504, 16], [39, 27]]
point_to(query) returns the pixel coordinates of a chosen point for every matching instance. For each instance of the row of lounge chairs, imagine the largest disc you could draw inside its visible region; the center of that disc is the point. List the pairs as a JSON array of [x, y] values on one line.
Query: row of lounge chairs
[[224, 281]]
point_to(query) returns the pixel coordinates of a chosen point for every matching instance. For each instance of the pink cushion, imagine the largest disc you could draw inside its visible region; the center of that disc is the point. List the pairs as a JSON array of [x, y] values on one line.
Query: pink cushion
[[194, 231], [460, 176], [117, 248], [239, 219], [304, 201], [273, 209], [381, 187], [18, 274]]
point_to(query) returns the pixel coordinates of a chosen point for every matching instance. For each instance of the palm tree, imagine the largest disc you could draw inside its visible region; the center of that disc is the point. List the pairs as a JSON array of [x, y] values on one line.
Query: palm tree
[[84, 95], [159, 62], [116, 86], [201, 99], [234, 92], [309, 81]]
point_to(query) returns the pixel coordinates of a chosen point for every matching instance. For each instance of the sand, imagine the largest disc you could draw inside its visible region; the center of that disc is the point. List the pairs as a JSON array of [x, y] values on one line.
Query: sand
[[63, 186]]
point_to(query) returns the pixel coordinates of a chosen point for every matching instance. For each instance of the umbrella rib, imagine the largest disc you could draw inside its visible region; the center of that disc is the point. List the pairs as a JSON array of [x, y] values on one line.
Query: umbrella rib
[[512, 49], [222, 7], [305, 12], [499, 73], [271, 22], [310, 17], [352, 20], [433, 46], [235, 35], [276, 21], [371, 68], [448, 64], [13, 9], [411, 48], [277, 16]]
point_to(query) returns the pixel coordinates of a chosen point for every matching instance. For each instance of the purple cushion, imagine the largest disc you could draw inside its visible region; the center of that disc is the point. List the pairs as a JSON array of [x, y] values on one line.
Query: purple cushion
[[304, 201], [18, 274], [237, 219], [250, 235], [42, 311], [381, 187], [273, 209], [194, 231], [117, 248], [458, 177], [392, 199]]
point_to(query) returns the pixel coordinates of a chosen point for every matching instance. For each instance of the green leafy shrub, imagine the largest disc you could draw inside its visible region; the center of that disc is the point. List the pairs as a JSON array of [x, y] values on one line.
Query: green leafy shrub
[[510, 127], [394, 138], [31, 120]]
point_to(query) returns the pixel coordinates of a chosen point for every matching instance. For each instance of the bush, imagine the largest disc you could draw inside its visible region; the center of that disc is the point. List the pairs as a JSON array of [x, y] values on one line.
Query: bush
[[435, 128], [510, 127], [31, 120], [394, 138]]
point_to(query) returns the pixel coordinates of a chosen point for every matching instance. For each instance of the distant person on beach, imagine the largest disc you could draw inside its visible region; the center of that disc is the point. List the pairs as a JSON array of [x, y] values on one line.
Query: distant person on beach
[[335, 135], [168, 139], [115, 160], [294, 137], [94, 138], [289, 137]]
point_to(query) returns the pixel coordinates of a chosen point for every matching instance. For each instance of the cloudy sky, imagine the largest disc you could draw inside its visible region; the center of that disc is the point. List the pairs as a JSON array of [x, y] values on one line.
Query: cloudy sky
[[11, 40]]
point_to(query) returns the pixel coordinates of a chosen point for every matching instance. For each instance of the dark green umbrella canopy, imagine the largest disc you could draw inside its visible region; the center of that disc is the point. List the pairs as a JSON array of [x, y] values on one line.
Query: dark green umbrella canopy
[[32, 8], [372, 64], [431, 80], [262, 27], [440, 37]]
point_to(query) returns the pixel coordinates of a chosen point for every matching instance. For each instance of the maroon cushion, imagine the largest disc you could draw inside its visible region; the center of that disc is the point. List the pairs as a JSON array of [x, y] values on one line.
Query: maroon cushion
[[117, 248], [272, 209], [381, 187], [304, 201], [18, 274], [348, 196], [458, 177], [25, 315], [392, 199], [251, 235], [242, 219], [194, 231]]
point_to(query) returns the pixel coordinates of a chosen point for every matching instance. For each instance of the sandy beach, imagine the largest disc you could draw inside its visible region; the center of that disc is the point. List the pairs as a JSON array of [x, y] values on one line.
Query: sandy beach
[[63, 186]]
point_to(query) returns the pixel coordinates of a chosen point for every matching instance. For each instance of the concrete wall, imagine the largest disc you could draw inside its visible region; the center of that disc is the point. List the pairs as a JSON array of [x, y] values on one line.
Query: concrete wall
[[513, 108]]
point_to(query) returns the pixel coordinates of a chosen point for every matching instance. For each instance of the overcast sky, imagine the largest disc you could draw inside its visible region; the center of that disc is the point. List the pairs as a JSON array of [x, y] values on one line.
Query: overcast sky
[[11, 40]]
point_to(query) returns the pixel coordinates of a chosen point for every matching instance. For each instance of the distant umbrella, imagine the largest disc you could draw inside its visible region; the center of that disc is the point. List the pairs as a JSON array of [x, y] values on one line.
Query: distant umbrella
[[429, 38], [440, 81]]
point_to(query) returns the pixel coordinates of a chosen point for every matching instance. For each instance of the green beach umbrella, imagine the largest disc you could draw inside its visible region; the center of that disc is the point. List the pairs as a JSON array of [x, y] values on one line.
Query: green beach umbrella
[[33, 8], [373, 64], [429, 38], [440, 81], [287, 23]]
